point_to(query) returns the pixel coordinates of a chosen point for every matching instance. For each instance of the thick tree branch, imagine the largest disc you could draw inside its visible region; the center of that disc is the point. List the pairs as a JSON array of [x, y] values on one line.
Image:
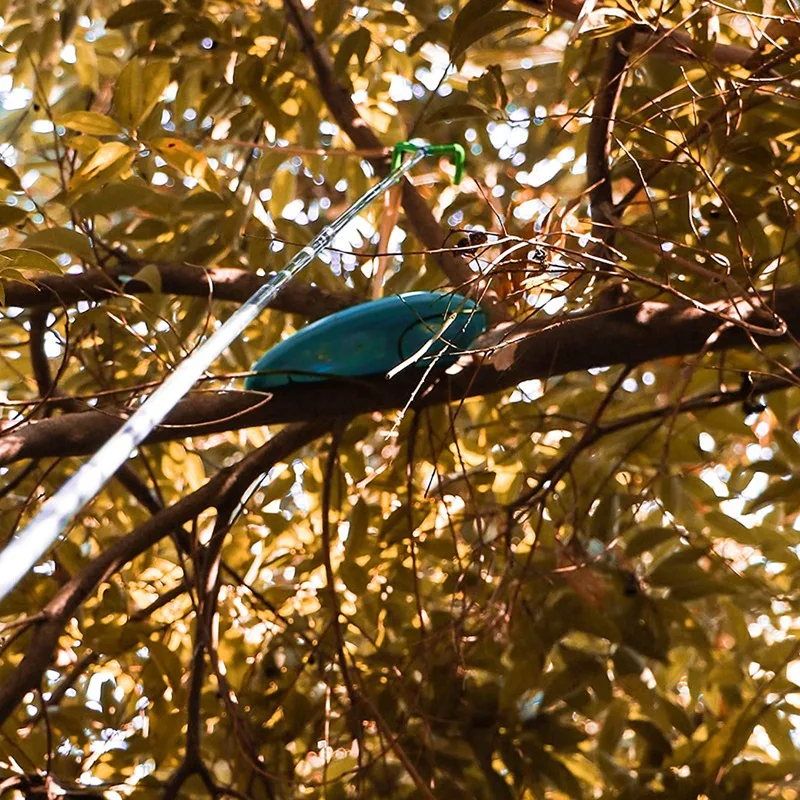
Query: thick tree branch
[[39, 360], [598, 146], [41, 649], [633, 334], [220, 283]]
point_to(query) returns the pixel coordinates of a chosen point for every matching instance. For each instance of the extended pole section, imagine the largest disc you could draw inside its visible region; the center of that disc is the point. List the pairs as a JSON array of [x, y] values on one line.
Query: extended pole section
[[28, 546]]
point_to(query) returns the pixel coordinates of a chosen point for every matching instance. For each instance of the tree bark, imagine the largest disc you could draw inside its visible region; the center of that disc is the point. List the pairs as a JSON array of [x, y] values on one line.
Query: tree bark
[[634, 334]]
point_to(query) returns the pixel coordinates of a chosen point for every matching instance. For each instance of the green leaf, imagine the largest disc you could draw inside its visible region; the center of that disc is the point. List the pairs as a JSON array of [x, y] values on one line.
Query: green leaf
[[86, 64], [138, 89], [355, 43], [605, 518], [780, 491], [392, 18], [559, 775], [284, 187], [455, 111], [9, 179], [464, 36], [728, 740], [688, 582], [776, 656], [614, 725], [329, 15], [648, 539], [128, 93], [167, 661], [150, 275], [357, 536], [156, 76], [658, 745], [21, 258], [61, 240], [11, 215], [762, 772], [111, 198], [565, 683], [204, 203], [149, 228], [473, 12], [339, 766], [673, 495], [135, 12], [90, 122], [355, 577], [780, 730]]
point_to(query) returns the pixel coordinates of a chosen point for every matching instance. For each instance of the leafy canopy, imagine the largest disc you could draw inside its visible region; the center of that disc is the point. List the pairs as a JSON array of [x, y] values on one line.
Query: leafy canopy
[[576, 579]]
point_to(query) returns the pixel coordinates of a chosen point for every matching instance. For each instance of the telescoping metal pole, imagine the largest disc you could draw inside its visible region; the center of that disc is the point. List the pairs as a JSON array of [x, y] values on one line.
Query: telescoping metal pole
[[28, 546]]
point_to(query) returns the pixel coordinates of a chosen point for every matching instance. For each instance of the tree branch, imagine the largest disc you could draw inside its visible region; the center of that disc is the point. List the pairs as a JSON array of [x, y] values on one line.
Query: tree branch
[[220, 283], [594, 431], [633, 334], [207, 568], [341, 105], [598, 146], [44, 641], [330, 577]]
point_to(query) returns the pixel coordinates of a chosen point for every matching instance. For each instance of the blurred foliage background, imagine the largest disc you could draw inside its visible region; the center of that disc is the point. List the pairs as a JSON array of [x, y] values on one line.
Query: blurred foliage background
[[581, 586]]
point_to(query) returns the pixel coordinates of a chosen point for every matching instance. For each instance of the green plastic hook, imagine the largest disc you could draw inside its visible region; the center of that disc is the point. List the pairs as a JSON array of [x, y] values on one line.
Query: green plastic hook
[[455, 152]]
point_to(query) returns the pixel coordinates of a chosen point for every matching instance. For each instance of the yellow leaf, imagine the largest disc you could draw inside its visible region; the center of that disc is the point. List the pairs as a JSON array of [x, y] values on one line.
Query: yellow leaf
[[139, 89], [86, 64], [184, 158], [90, 122], [283, 190], [84, 144], [109, 159]]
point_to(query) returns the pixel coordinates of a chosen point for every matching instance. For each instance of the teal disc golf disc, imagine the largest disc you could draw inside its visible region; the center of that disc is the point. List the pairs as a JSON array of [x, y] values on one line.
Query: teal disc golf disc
[[373, 338]]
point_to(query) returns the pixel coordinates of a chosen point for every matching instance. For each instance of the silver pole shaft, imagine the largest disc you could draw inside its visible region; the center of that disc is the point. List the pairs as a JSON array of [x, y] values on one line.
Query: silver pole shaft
[[30, 544]]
